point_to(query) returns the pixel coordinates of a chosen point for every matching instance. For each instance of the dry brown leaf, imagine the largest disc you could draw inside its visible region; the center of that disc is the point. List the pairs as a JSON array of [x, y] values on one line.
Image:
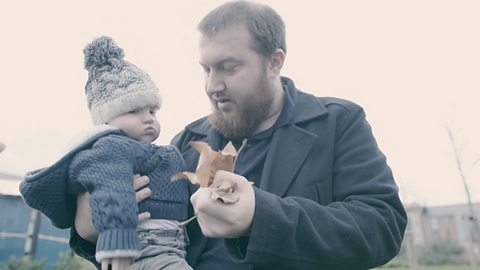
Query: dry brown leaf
[[185, 175], [209, 163]]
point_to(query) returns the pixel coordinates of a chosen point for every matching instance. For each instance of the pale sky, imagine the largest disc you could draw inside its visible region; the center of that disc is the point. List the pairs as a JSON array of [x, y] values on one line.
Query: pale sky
[[413, 66]]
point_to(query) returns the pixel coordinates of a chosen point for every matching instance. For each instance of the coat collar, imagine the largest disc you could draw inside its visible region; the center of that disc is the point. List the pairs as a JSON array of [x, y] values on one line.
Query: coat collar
[[306, 106]]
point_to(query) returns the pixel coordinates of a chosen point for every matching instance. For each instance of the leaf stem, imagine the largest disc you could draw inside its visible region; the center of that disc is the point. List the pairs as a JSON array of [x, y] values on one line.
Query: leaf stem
[[184, 223]]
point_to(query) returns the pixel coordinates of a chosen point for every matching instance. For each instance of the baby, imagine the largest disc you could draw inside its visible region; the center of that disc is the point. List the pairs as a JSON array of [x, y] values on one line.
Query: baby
[[123, 101]]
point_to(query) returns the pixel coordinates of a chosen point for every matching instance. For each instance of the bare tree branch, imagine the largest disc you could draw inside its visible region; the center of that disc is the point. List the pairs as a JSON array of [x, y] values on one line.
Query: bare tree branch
[[475, 162], [475, 236]]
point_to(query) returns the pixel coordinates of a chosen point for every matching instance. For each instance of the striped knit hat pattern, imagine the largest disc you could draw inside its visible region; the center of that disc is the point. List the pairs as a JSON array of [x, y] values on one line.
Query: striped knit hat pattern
[[115, 86]]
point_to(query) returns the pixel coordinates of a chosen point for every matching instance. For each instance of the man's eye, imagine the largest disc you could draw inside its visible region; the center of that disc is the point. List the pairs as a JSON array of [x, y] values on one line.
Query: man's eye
[[206, 70]]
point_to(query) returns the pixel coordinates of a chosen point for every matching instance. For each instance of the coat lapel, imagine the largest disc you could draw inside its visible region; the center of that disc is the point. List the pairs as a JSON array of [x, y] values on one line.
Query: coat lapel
[[214, 139], [292, 145]]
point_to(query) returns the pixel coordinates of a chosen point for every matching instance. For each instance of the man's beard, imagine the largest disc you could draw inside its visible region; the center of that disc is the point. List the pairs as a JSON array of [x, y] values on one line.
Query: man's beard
[[248, 117]]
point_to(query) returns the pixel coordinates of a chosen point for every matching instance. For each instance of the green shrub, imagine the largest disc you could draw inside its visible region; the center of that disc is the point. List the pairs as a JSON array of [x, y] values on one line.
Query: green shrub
[[23, 264], [440, 252], [66, 261], [395, 264], [69, 261]]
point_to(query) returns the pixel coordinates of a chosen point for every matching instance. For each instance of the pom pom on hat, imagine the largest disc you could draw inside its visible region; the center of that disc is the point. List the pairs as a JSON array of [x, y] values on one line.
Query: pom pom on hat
[[115, 86], [102, 51]]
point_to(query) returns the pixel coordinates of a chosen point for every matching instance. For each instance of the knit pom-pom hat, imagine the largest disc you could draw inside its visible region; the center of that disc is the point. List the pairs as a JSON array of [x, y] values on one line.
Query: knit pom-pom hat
[[115, 86]]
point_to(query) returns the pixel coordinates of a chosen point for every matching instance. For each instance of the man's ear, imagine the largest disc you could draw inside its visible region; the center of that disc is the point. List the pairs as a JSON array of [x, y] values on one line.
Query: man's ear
[[276, 62]]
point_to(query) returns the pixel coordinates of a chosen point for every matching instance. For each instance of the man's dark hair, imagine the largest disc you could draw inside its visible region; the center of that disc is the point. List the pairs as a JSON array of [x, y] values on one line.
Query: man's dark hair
[[264, 24]]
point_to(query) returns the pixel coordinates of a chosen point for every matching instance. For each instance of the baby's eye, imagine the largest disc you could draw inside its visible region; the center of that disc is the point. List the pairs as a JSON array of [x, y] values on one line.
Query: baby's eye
[[229, 67], [133, 111]]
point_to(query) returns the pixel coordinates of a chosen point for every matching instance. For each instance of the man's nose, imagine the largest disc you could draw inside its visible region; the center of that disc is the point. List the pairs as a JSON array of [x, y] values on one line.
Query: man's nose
[[214, 83]]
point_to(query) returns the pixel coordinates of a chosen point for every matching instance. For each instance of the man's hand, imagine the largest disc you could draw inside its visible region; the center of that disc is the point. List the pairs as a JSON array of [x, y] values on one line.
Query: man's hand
[[117, 263], [217, 219], [83, 217], [142, 192]]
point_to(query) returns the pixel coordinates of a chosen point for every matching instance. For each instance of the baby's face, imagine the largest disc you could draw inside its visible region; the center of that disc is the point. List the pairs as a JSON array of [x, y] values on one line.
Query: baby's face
[[140, 124]]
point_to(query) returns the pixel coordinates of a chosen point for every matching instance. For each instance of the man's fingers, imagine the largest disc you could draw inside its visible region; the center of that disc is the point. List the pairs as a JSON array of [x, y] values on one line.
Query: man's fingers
[[219, 177], [193, 198], [140, 181], [143, 216], [83, 218], [225, 220], [205, 222], [142, 194], [229, 177], [200, 198]]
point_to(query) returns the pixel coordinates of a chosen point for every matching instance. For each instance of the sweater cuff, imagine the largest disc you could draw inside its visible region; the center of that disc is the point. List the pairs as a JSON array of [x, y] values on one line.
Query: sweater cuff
[[116, 244]]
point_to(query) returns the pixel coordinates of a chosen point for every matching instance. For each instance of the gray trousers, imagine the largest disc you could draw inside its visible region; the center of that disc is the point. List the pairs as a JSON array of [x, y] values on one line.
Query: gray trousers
[[162, 249]]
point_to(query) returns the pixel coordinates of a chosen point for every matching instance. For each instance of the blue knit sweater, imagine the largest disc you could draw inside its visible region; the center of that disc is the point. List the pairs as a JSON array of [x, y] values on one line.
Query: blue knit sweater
[[105, 167]]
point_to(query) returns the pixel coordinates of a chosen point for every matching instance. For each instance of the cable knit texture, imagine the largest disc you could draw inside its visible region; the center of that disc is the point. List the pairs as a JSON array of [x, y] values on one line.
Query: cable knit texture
[[48, 189], [106, 170]]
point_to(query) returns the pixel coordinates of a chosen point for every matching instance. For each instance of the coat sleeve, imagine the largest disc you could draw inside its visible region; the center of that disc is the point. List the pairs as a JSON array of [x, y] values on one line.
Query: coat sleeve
[[106, 172], [362, 227]]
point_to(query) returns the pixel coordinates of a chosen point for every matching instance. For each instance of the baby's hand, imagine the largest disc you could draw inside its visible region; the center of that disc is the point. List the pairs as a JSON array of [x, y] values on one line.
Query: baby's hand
[[117, 263]]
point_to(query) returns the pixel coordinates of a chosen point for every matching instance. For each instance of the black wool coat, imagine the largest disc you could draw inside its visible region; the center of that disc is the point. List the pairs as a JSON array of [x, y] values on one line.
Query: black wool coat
[[327, 198]]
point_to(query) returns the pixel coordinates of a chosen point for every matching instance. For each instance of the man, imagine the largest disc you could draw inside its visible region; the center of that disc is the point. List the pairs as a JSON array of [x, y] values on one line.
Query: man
[[323, 196]]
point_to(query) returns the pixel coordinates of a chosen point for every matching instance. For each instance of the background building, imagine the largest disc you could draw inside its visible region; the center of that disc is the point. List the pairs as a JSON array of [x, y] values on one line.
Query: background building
[[445, 224], [18, 224]]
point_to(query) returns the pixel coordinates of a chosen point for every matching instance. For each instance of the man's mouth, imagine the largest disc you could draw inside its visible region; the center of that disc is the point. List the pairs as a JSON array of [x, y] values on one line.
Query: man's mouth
[[222, 102]]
